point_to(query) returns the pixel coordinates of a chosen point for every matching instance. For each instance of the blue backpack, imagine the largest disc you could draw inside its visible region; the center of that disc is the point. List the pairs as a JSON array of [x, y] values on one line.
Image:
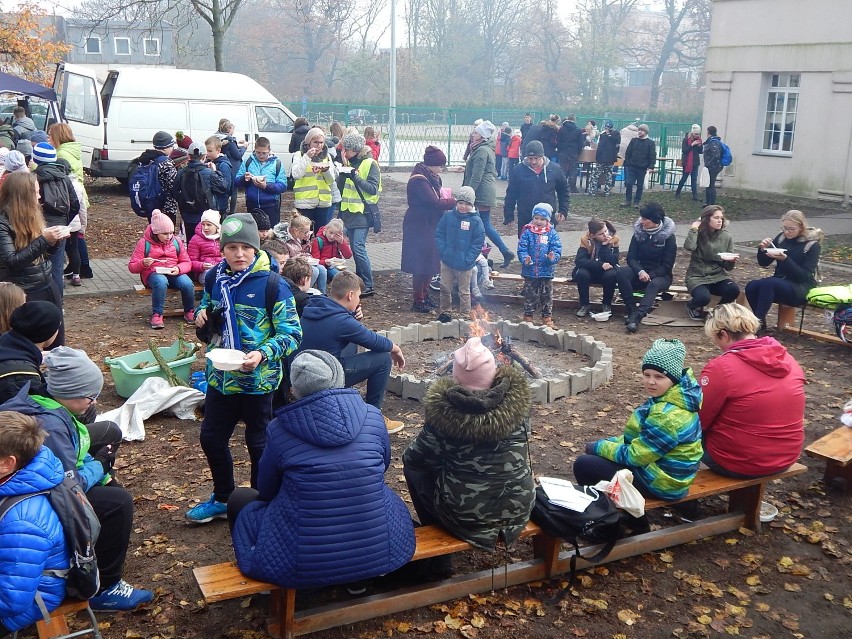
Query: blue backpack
[[146, 192], [726, 157]]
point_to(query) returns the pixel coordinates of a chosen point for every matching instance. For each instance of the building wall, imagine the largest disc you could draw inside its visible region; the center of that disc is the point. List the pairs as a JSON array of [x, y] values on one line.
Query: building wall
[[77, 31], [742, 56]]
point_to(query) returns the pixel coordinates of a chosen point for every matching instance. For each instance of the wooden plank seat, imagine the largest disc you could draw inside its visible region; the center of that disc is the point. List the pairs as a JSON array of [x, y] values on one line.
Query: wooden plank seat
[[787, 324], [224, 581], [836, 449], [140, 289], [57, 626]]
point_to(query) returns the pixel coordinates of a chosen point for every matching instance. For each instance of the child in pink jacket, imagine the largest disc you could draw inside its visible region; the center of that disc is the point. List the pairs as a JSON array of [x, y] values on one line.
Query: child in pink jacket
[[162, 262], [204, 251]]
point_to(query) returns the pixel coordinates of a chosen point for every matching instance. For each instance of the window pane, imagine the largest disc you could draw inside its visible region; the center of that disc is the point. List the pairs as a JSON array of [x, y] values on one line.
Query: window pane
[[152, 47], [794, 80], [93, 45], [792, 102], [122, 46], [81, 100], [775, 80], [273, 120]]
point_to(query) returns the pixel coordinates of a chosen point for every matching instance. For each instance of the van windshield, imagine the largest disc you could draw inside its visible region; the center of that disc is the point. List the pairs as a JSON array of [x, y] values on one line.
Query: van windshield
[[271, 119]]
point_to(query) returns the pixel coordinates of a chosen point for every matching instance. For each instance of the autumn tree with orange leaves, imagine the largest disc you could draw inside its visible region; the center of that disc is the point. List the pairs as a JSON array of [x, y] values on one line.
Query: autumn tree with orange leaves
[[27, 48]]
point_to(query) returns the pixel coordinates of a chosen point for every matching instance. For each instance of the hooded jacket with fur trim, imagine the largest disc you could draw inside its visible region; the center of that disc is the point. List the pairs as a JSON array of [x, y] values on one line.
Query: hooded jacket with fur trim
[[653, 253], [474, 446], [802, 261]]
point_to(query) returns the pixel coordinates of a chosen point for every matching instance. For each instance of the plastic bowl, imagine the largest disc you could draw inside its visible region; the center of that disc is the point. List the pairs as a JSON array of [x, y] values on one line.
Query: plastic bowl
[[775, 252], [312, 261], [226, 359], [600, 317], [768, 512], [729, 256]]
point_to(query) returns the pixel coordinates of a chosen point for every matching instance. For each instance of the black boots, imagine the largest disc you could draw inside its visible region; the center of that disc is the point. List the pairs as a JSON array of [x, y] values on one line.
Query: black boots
[[634, 319]]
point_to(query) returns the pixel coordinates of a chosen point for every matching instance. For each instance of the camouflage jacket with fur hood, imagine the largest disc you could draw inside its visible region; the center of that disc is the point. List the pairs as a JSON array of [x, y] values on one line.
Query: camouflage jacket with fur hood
[[475, 445]]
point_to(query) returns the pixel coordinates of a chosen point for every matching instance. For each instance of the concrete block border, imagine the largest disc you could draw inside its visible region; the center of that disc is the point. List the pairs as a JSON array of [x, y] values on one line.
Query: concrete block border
[[587, 378]]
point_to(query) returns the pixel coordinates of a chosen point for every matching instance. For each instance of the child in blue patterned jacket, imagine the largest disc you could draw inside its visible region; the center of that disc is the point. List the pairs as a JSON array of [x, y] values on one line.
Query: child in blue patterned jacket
[[539, 250]]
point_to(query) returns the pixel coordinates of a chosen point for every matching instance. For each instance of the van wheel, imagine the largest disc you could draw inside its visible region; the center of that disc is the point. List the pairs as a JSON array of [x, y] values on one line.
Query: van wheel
[[123, 181]]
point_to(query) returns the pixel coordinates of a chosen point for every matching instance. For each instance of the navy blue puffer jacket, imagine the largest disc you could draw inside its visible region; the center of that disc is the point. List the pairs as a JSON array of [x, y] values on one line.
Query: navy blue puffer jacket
[[324, 515], [31, 541]]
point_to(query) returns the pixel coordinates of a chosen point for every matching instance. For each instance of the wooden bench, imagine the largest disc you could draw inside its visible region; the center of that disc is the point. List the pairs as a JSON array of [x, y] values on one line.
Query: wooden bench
[[57, 626], [224, 581], [787, 324], [836, 449], [140, 289]]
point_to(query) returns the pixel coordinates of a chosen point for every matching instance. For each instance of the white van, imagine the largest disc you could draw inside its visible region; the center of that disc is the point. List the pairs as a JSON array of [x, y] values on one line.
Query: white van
[[116, 124]]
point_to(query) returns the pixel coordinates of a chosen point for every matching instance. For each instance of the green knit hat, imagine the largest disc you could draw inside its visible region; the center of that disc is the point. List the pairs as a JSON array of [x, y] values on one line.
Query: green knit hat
[[667, 357]]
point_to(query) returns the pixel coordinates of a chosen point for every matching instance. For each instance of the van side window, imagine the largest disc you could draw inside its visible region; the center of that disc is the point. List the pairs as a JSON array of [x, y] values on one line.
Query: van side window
[[271, 119], [80, 99]]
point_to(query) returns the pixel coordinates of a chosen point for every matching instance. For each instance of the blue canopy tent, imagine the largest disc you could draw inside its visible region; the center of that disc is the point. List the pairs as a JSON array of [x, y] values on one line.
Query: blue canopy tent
[[13, 84]]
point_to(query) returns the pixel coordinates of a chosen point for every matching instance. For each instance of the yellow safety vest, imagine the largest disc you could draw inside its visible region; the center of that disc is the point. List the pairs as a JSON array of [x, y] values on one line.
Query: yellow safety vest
[[313, 187], [351, 201]]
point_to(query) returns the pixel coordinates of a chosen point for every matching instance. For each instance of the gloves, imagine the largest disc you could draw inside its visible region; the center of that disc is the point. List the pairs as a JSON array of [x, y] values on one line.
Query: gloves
[[590, 448], [106, 456]]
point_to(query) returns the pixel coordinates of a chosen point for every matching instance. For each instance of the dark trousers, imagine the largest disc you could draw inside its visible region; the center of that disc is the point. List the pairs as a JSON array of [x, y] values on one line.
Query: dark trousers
[[320, 216], [710, 191], [727, 290], [72, 250], [114, 507], [634, 177], [239, 499], [708, 461], [221, 414], [57, 266], [102, 434], [421, 487], [85, 266], [765, 292], [498, 164], [568, 163], [628, 281], [590, 469], [420, 284], [693, 180], [50, 293], [370, 366], [607, 279]]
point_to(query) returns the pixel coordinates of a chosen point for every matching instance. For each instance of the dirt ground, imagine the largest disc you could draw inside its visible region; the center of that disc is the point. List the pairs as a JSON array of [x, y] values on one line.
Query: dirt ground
[[791, 580]]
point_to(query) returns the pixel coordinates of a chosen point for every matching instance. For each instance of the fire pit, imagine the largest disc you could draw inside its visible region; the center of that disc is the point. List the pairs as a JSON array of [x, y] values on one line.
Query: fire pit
[[499, 335]]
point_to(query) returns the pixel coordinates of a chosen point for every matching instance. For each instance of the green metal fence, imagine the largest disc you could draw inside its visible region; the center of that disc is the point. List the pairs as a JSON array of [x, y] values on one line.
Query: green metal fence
[[448, 129]]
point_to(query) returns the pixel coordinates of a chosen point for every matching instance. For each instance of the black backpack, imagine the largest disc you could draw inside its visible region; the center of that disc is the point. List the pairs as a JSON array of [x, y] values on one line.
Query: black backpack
[[81, 527], [55, 197], [143, 185], [192, 194]]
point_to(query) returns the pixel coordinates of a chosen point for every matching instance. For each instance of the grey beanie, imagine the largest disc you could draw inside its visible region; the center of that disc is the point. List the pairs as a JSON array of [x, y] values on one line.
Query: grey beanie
[[535, 149], [239, 227], [353, 142], [313, 371], [71, 374], [466, 194], [163, 140]]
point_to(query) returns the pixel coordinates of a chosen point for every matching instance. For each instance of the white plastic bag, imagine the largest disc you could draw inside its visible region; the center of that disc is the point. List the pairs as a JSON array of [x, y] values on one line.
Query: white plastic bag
[[704, 177], [623, 493]]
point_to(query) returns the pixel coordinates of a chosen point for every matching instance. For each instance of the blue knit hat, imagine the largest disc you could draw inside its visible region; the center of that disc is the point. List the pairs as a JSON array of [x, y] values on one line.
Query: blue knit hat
[[543, 209], [667, 357], [44, 153]]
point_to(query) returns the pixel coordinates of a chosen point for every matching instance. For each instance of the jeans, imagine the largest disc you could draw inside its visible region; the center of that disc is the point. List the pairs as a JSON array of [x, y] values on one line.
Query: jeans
[[374, 367], [85, 266], [710, 191], [693, 182], [491, 233], [634, 176], [57, 267], [158, 284], [727, 290], [72, 250], [628, 281], [358, 242], [320, 215], [221, 414], [763, 293], [319, 278], [607, 279]]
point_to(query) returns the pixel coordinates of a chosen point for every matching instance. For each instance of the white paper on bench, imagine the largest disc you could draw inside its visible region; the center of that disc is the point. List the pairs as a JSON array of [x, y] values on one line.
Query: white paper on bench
[[561, 492]]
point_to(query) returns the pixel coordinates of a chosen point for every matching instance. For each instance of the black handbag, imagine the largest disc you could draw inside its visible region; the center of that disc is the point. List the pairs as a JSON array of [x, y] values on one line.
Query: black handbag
[[371, 212]]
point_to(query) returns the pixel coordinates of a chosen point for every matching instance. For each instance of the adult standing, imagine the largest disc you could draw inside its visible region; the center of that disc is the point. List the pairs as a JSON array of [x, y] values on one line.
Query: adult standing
[[690, 161], [163, 144], [26, 245], [650, 262], [300, 130], [535, 180], [605, 156], [526, 126], [359, 188], [570, 143], [708, 272], [795, 266], [640, 156], [713, 162], [314, 173], [234, 150], [480, 174], [426, 205], [752, 416]]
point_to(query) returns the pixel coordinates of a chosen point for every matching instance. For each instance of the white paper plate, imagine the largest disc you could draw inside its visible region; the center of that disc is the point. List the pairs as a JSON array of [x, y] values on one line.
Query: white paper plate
[[775, 252], [344, 169], [768, 512], [729, 256], [226, 359], [600, 317], [312, 261], [163, 270]]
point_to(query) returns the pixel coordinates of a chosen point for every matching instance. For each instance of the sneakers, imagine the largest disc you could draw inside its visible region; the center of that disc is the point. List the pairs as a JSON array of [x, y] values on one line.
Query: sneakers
[[445, 317], [606, 308], [421, 307], [435, 284], [368, 292], [528, 318], [120, 598], [431, 303], [189, 316], [207, 511], [76, 281], [634, 320], [393, 426], [507, 258], [696, 314], [624, 204], [157, 321], [548, 321], [583, 311]]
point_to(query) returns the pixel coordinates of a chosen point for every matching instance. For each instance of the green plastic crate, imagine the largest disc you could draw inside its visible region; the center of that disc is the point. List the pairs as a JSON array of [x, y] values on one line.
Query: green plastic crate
[[128, 379]]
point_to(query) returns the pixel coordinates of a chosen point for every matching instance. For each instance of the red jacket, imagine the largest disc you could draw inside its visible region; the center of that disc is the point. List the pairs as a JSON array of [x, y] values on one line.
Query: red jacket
[[329, 249], [173, 253], [375, 147], [202, 250], [515, 147], [752, 417]]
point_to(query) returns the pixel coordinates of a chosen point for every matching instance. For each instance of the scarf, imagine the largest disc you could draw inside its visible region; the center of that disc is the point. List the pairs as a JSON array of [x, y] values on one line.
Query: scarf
[[227, 283]]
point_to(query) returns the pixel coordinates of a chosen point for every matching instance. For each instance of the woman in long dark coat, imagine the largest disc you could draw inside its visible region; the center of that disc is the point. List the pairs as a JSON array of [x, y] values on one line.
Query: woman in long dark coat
[[425, 207]]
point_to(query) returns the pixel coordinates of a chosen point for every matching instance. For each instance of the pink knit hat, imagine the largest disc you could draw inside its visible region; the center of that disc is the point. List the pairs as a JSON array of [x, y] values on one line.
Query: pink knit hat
[[474, 366], [160, 223]]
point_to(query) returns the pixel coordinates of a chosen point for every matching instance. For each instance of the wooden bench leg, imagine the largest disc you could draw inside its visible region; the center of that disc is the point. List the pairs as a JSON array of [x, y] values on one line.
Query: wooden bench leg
[[838, 475], [282, 613], [747, 500], [786, 317], [547, 549], [56, 627]]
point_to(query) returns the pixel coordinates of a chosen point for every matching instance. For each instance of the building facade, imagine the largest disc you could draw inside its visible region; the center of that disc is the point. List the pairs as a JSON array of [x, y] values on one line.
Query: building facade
[[779, 90]]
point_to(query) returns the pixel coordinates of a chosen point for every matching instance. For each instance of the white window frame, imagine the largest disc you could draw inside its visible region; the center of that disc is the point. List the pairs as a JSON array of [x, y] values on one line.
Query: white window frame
[[145, 47], [86, 45], [115, 45], [632, 73], [784, 86]]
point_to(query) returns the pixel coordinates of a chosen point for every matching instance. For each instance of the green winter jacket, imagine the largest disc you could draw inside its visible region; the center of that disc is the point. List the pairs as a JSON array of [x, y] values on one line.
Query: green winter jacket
[[705, 265], [475, 446], [661, 443], [480, 174]]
